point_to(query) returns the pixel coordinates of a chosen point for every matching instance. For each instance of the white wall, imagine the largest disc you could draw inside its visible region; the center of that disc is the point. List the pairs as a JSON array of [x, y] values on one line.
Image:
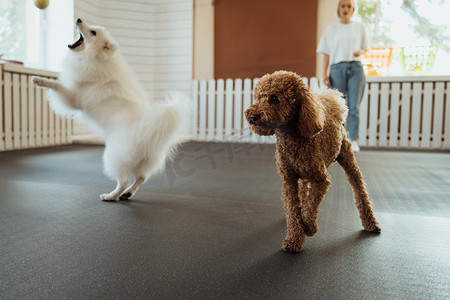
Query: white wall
[[204, 34], [203, 65], [326, 14], [58, 34], [88, 10], [155, 36]]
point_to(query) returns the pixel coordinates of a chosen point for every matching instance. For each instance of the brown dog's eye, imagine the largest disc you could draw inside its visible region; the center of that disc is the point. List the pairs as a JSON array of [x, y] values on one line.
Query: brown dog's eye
[[93, 32], [274, 99]]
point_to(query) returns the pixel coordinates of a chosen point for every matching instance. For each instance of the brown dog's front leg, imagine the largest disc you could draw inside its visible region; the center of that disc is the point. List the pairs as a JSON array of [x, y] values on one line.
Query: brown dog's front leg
[[295, 237], [310, 206]]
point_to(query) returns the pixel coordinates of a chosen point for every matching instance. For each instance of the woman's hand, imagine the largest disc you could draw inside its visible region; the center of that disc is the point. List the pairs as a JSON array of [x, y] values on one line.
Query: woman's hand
[[359, 53], [326, 61], [326, 80]]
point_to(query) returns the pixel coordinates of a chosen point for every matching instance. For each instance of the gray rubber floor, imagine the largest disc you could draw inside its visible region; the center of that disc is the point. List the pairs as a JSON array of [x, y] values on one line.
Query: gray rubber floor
[[211, 225]]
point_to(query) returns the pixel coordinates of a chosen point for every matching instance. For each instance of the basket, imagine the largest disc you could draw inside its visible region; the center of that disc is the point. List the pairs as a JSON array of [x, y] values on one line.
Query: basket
[[377, 61], [418, 60]]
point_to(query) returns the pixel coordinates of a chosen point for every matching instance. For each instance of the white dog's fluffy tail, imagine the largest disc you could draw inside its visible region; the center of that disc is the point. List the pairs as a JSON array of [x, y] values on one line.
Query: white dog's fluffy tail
[[161, 135], [143, 146], [176, 121]]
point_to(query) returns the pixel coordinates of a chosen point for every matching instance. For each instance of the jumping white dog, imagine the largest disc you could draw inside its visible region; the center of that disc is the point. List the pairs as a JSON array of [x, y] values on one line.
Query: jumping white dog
[[98, 86]]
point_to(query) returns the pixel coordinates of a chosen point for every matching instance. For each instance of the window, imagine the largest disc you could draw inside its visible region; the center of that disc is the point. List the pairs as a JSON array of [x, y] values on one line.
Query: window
[[416, 35], [12, 30], [37, 38]]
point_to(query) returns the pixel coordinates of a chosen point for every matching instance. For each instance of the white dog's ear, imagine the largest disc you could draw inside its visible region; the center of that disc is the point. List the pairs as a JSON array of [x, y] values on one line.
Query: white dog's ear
[[109, 47]]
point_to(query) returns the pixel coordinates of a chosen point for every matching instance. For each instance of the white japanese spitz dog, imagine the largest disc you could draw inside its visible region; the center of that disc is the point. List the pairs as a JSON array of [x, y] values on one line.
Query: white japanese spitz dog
[[98, 86]]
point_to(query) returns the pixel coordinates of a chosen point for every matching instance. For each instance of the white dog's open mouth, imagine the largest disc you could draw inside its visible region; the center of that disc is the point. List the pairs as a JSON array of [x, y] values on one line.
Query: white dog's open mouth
[[77, 43]]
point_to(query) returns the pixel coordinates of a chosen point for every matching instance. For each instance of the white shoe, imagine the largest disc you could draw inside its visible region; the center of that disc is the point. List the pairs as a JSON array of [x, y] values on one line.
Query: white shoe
[[355, 146]]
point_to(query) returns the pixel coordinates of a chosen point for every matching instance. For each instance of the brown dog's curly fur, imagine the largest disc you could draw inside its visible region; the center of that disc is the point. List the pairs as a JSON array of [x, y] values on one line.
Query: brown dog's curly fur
[[310, 137]]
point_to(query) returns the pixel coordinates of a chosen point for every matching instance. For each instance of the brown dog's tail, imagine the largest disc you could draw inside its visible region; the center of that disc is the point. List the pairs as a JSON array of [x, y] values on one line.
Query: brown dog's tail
[[334, 103]]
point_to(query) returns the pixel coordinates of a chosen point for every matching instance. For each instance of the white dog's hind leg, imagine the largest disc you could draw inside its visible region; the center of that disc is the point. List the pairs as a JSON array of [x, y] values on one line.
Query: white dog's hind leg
[[122, 182], [129, 192]]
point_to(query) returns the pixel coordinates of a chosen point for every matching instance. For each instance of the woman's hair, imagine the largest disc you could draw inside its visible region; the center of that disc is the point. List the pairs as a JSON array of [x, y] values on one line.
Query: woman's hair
[[339, 4]]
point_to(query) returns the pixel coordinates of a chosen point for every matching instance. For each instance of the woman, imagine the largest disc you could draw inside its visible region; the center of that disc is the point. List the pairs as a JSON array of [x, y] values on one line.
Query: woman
[[342, 45]]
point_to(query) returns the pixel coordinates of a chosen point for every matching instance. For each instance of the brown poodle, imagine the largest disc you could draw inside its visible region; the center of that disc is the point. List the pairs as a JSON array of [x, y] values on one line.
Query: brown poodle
[[310, 137]]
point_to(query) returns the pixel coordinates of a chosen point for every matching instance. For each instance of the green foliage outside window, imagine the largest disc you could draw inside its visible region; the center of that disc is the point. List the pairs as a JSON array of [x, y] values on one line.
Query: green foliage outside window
[[371, 13], [13, 29], [380, 17]]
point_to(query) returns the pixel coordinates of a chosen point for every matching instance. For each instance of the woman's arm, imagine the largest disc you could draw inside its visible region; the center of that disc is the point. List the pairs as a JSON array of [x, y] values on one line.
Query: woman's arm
[[326, 62], [360, 52]]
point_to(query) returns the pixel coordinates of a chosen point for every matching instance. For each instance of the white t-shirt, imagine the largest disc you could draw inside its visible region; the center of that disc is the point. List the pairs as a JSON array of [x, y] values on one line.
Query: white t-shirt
[[340, 41]]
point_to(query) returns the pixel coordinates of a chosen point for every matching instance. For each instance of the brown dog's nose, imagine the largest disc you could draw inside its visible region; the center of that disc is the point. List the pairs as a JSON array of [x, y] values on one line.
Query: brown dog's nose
[[255, 118]]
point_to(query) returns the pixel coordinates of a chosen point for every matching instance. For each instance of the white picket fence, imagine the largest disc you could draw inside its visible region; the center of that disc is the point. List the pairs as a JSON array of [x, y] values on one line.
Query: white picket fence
[[406, 112], [396, 112], [26, 120]]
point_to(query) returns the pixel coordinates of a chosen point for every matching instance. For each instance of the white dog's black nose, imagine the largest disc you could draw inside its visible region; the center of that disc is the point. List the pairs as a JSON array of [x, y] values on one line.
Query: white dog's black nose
[[255, 118], [79, 21]]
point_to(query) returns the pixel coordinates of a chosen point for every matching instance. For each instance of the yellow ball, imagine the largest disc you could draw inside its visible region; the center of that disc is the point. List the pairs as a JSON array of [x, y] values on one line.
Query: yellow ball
[[41, 4]]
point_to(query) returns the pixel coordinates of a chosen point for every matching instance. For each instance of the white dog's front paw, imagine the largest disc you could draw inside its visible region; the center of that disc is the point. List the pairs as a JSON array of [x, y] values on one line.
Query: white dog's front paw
[[37, 80], [108, 197]]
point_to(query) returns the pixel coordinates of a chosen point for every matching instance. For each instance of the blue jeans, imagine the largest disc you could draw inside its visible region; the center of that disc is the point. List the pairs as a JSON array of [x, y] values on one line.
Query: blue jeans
[[348, 77]]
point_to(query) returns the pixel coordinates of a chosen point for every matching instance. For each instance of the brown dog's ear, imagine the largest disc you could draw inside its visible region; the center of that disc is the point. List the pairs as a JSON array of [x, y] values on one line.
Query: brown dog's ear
[[312, 118]]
